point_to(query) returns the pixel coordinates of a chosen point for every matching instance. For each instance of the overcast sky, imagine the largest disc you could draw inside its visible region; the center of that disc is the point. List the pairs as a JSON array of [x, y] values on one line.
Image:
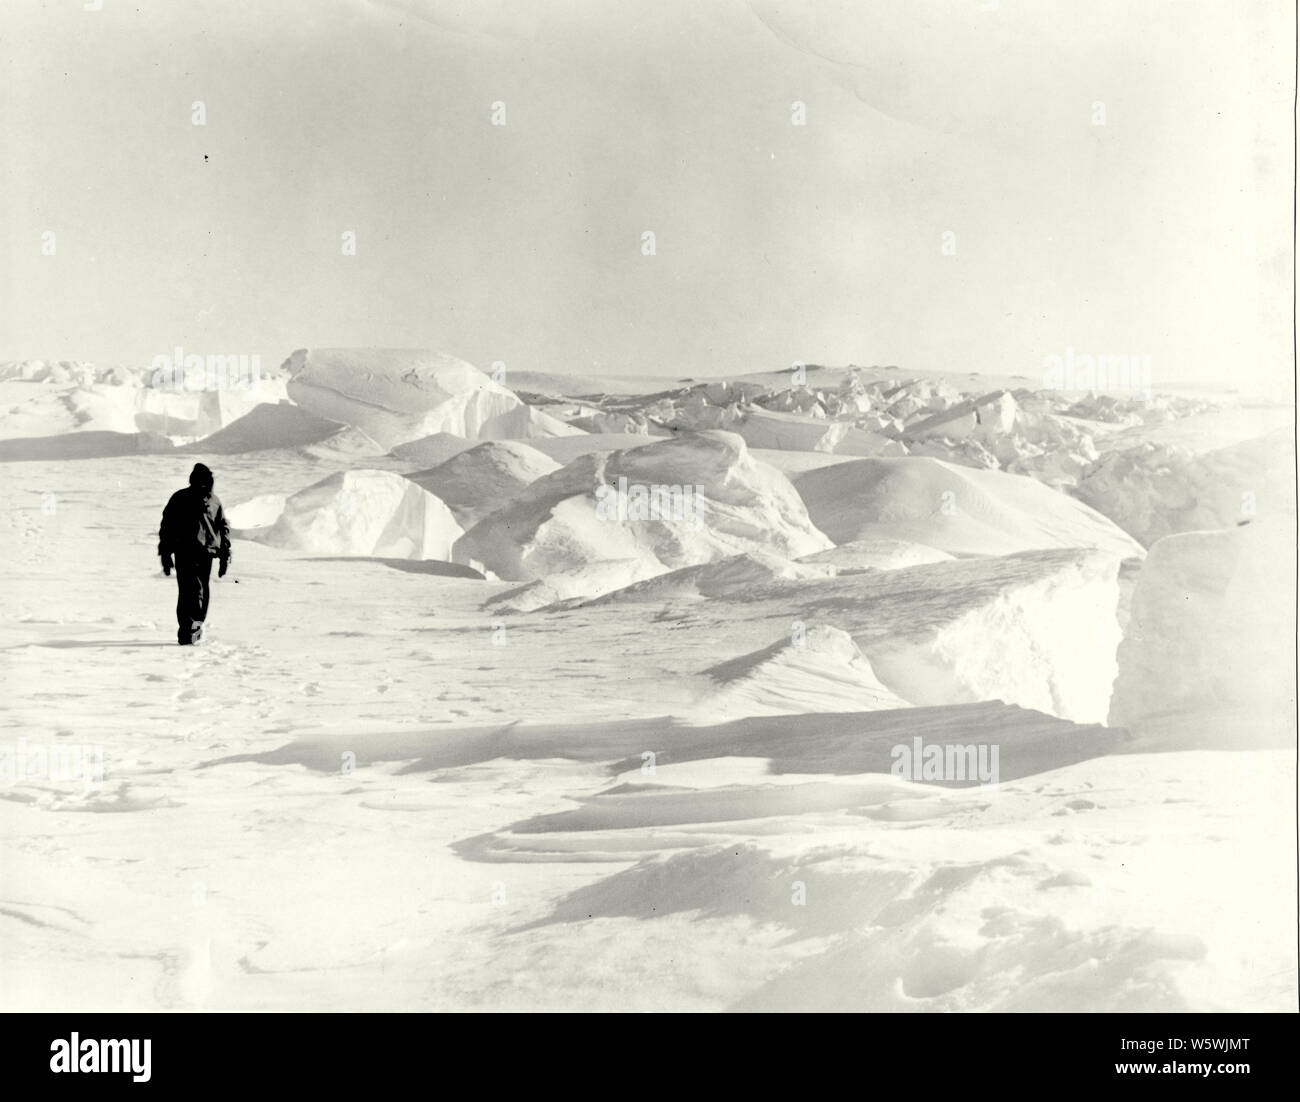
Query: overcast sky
[[1163, 231]]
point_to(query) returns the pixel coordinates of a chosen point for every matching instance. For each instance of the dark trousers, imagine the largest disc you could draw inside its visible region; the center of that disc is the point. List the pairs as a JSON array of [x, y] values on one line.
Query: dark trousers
[[193, 586]]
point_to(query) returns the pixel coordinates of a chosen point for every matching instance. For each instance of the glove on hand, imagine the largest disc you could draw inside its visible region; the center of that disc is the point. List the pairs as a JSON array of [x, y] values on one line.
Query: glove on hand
[[221, 570], [167, 565]]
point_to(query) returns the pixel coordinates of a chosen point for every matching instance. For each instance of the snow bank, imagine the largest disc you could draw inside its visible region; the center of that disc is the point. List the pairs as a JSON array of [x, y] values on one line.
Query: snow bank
[[778, 431], [347, 445], [397, 395], [525, 423], [179, 414], [568, 448], [1157, 490], [817, 669], [670, 504], [961, 510], [1208, 656], [268, 426], [1038, 628], [258, 512], [433, 449], [566, 586], [862, 555], [1045, 640], [365, 512], [485, 477], [733, 576]]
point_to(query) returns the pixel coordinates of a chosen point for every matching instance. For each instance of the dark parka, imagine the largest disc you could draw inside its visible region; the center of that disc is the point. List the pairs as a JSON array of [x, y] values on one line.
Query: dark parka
[[193, 532]]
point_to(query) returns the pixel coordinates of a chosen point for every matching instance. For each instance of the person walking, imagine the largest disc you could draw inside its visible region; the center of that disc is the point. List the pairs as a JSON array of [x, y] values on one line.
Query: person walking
[[194, 532]]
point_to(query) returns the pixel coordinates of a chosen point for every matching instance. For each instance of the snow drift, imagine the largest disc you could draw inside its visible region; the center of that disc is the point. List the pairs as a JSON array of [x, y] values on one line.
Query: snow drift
[[732, 576], [670, 504], [397, 395], [1038, 628], [1208, 656], [525, 423], [485, 477], [365, 512], [859, 555], [268, 426], [814, 669], [961, 510], [1157, 490], [761, 428]]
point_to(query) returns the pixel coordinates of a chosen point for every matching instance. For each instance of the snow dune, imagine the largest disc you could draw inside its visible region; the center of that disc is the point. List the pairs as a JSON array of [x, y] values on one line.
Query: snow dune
[[726, 503], [961, 510], [268, 426], [879, 554], [362, 512], [1154, 490], [1038, 629], [818, 668], [482, 479], [397, 395], [733, 576]]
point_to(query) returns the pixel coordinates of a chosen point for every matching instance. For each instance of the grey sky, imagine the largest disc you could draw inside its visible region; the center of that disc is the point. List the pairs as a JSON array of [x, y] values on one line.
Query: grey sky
[[1164, 232]]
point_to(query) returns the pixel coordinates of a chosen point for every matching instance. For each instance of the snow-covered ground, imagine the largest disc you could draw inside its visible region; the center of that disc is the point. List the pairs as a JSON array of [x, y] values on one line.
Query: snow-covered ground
[[503, 750]]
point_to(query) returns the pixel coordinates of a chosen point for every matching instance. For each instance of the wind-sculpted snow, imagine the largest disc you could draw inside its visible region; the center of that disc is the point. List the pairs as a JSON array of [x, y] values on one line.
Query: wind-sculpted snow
[[788, 773], [1208, 657], [778, 431], [576, 584], [844, 743], [524, 423], [397, 395], [1038, 629], [1157, 490], [674, 503], [482, 479], [261, 511], [364, 512], [565, 449], [960, 510], [734, 576], [268, 426], [80, 397], [818, 668], [879, 554]]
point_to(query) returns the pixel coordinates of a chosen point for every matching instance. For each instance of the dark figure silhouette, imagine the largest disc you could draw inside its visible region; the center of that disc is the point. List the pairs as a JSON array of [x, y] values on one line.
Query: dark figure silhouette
[[193, 532]]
